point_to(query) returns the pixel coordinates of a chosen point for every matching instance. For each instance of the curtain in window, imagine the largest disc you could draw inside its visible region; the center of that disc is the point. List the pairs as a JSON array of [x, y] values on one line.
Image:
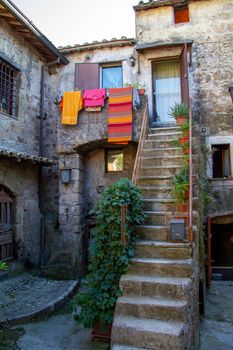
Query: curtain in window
[[111, 77], [166, 84]]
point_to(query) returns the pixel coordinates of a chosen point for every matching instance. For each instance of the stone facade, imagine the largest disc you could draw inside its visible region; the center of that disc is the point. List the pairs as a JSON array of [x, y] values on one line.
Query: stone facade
[[22, 134]]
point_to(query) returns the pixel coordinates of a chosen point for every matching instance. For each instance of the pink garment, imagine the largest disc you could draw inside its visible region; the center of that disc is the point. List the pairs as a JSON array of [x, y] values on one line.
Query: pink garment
[[94, 98]]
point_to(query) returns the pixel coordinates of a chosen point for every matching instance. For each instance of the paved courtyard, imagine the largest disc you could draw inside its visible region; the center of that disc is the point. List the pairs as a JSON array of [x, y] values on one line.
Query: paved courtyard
[[217, 327]]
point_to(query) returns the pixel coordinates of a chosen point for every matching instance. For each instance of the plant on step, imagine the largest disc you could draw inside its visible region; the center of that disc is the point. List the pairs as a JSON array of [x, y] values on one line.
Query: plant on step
[[180, 111], [180, 186], [3, 266], [110, 257]]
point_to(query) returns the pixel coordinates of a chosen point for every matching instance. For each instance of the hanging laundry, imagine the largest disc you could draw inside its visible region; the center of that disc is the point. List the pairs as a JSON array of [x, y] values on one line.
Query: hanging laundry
[[136, 99], [94, 98], [72, 103], [120, 115]]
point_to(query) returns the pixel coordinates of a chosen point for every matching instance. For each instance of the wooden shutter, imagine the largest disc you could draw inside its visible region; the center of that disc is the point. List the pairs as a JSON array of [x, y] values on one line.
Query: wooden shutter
[[181, 15], [86, 76], [184, 76]]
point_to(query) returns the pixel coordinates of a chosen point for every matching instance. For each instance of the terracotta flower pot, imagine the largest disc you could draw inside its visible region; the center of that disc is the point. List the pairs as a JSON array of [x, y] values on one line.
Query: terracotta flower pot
[[182, 207], [181, 120], [141, 91], [183, 140], [186, 151], [102, 331]]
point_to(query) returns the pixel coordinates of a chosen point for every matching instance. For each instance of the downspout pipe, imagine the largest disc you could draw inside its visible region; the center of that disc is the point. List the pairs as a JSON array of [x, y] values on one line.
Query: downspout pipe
[[40, 184]]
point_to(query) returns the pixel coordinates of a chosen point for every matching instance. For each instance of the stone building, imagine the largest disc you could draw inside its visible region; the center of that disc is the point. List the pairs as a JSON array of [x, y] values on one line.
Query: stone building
[[27, 59], [182, 52]]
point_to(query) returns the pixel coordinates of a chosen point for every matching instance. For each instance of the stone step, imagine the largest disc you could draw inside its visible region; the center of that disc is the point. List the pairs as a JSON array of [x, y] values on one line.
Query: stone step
[[154, 180], [147, 333], [168, 250], [164, 130], [154, 143], [152, 232], [160, 170], [156, 191], [163, 160], [156, 151], [165, 135], [158, 204], [161, 267], [153, 308], [124, 347], [165, 287]]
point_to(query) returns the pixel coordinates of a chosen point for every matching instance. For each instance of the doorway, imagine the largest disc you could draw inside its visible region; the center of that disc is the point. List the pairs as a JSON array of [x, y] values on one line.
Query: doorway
[[220, 248], [6, 227], [166, 90]]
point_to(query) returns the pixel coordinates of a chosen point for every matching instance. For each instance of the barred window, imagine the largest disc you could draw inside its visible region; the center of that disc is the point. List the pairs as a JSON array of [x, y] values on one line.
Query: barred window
[[8, 88]]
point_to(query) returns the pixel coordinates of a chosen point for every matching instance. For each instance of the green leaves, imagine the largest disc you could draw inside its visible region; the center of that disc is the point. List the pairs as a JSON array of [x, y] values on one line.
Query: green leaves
[[111, 258]]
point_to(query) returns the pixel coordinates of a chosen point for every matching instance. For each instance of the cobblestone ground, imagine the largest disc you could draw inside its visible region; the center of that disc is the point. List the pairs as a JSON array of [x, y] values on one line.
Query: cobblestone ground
[[216, 332], [59, 332], [25, 296]]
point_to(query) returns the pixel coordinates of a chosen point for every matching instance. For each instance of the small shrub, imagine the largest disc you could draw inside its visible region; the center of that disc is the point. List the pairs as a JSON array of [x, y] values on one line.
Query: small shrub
[[178, 110], [110, 259], [3, 266]]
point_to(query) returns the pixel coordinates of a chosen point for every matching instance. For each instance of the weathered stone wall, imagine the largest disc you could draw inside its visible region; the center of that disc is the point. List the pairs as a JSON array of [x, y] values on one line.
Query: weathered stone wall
[[97, 179], [21, 134], [81, 149], [21, 179], [211, 72]]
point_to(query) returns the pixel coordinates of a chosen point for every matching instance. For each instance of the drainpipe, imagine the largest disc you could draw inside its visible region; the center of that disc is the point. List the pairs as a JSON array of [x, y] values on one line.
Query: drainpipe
[[40, 184]]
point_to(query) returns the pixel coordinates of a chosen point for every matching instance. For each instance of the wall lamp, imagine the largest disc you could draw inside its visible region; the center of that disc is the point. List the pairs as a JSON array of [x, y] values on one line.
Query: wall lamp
[[65, 176], [231, 92], [132, 61]]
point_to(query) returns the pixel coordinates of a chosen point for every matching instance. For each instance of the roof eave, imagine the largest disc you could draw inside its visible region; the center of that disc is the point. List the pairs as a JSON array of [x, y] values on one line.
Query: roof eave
[[157, 4], [19, 15]]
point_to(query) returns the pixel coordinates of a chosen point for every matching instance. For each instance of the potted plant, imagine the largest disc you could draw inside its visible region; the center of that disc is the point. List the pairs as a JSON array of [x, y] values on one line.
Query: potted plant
[[110, 257], [140, 87], [180, 190], [180, 111]]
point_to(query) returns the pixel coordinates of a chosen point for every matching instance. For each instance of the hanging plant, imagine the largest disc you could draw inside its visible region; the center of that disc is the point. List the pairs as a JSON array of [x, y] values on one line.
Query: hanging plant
[[110, 257]]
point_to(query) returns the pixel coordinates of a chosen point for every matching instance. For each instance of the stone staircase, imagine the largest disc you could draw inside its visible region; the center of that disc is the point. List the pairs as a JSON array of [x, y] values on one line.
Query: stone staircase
[[154, 311]]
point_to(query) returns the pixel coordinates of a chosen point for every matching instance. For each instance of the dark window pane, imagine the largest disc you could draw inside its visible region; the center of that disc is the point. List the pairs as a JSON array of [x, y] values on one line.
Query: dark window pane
[[111, 77], [221, 161]]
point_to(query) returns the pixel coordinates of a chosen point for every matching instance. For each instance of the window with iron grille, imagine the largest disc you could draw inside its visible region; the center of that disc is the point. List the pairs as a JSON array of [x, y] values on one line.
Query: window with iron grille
[[8, 88]]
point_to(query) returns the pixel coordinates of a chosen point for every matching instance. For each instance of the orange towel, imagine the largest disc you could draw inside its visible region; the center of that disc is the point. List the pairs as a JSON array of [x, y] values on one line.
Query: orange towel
[[72, 104]]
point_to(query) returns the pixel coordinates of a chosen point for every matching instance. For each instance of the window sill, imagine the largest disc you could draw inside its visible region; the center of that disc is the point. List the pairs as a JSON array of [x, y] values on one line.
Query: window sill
[[8, 115]]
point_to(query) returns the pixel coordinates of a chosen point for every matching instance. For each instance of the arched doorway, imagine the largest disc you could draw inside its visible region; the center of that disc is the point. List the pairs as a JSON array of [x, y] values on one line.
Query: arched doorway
[[220, 247], [6, 227]]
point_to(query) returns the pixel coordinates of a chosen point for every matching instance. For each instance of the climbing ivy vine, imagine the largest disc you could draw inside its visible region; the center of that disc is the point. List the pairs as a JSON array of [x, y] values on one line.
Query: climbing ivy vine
[[110, 257]]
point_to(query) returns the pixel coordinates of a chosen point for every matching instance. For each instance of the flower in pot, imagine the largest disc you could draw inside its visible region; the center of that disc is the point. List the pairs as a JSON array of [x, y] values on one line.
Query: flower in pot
[[140, 87], [180, 111], [180, 191]]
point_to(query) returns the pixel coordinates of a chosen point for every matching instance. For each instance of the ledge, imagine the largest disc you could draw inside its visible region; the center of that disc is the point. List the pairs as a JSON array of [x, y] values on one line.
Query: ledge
[[21, 156]]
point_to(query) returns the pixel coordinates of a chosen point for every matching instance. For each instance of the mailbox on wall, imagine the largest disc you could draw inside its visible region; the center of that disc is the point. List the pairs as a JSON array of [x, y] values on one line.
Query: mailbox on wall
[[177, 230]]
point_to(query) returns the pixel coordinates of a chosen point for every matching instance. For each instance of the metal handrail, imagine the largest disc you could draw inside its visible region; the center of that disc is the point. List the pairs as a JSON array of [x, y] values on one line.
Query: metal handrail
[[140, 143], [190, 176]]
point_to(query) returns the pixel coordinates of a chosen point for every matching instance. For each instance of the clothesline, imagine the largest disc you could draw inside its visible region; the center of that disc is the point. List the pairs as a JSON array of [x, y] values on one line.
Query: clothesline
[[121, 103]]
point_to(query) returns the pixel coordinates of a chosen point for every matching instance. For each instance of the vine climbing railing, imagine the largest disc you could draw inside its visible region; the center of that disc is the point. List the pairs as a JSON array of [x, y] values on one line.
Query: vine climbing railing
[[190, 229], [143, 132]]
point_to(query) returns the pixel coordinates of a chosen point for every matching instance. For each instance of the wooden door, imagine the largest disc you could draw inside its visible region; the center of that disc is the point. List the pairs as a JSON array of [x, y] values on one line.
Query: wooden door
[[209, 267], [6, 233]]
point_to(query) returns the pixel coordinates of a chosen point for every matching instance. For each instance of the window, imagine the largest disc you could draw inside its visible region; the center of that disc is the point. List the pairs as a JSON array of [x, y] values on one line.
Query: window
[[112, 77], [221, 161], [114, 160], [166, 87], [93, 75], [181, 14], [8, 89]]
